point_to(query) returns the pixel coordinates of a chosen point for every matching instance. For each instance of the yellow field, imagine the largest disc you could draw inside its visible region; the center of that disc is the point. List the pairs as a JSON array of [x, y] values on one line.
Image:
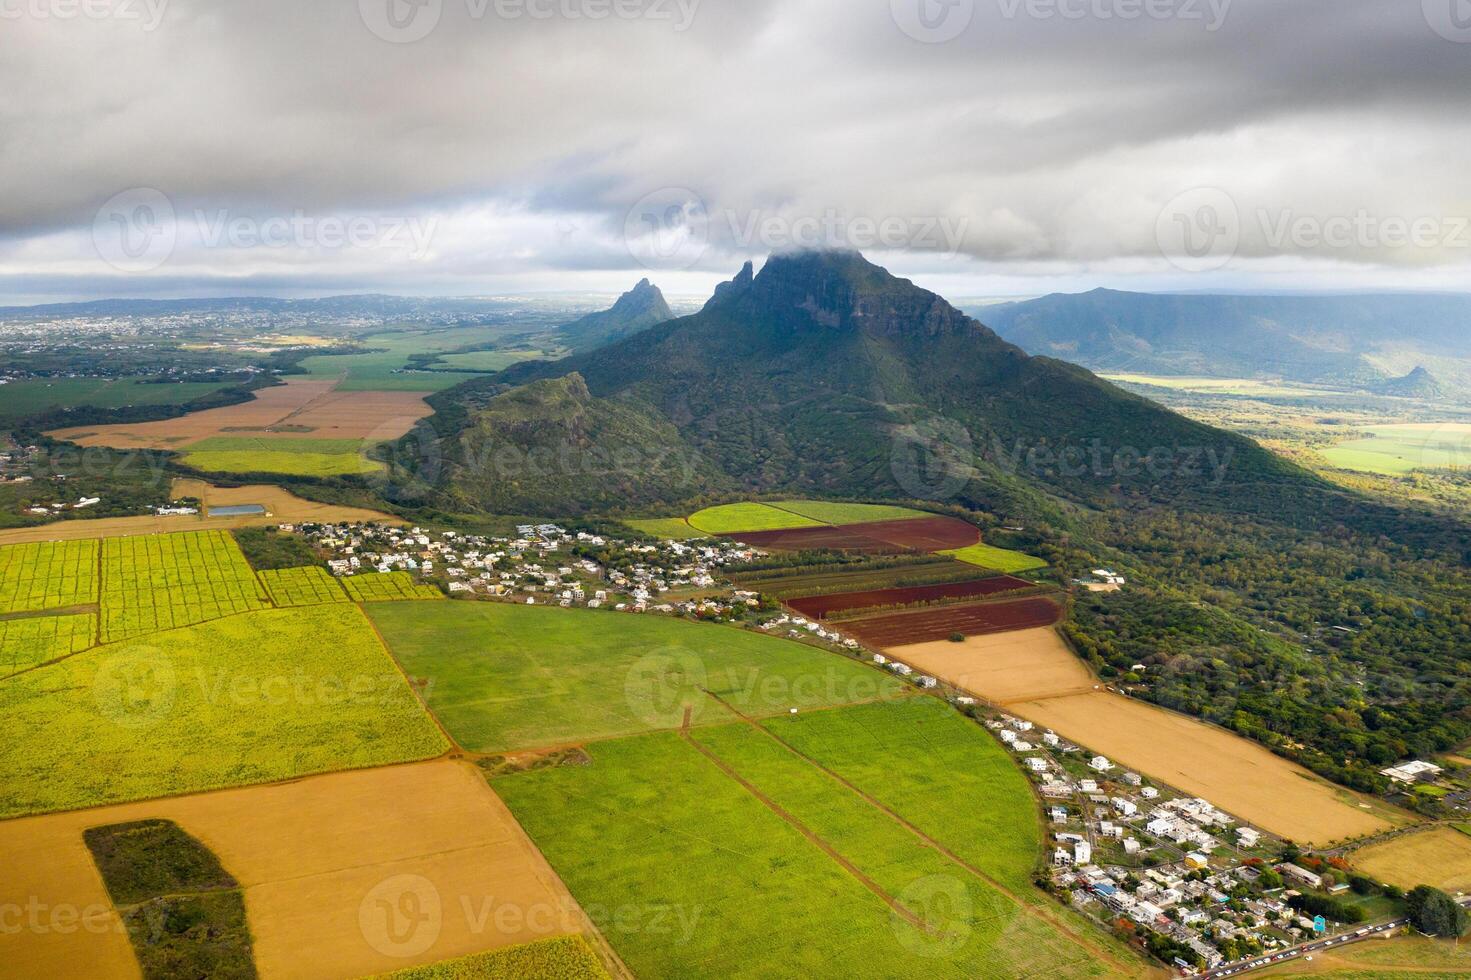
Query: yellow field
[[1004, 667], [1440, 856], [344, 876], [281, 506], [1035, 675], [1237, 775]]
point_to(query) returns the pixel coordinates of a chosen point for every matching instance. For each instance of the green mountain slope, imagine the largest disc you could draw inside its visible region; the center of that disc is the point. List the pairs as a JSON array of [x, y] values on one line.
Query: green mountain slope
[[641, 307]]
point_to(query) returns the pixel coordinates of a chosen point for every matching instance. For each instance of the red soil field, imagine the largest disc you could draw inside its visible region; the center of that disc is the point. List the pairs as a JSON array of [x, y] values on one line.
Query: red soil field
[[819, 606], [878, 537], [899, 629]]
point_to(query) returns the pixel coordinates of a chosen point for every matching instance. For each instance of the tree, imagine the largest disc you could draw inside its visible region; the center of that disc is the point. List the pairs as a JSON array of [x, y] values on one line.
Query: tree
[[1435, 913]]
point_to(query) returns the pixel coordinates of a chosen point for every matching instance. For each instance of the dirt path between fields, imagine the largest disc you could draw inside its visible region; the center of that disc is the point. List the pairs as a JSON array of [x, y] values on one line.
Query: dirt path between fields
[[1025, 906]]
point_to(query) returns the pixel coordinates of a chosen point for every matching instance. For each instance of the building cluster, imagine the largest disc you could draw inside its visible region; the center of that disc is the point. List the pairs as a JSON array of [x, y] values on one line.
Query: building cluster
[[797, 627], [546, 564], [1102, 580]]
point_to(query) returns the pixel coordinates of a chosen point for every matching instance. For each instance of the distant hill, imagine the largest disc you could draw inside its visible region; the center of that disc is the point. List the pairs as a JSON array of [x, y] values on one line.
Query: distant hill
[[825, 374], [1347, 340], [1419, 383], [638, 309]]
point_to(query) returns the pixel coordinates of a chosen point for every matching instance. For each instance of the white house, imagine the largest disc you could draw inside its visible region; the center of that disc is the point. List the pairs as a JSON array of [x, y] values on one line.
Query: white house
[[1082, 852], [1100, 764]]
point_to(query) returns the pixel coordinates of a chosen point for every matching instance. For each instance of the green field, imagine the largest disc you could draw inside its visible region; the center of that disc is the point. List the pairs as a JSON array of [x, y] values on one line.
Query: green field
[[165, 581], [562, 958], [833, 513], [996, 559], [386, 587], [20, 399], [747, 886], [51, 575], [290, 457], [1222, 386], [733, 518], [672, 528], [27, 642], [506, 677], [302, 587], [1394, 450], [384, 370], [487, 360], [254, 698]]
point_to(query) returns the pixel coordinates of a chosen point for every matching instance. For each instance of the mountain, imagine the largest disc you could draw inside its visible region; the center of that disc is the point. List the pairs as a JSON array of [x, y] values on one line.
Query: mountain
[[1344, 340], [641, 307], [825, 374], [1419, 383]]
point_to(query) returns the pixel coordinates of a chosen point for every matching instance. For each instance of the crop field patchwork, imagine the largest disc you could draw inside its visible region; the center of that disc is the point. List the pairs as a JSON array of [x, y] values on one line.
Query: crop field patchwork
[[386, 587], [879, 537], [966, 619], [755, 850], [226, 703], [885, 573], [1004, 667], [563, 958], [504, 677], [820, 607], [838, 513], [292, 457], [24, 643], [172, 580], [302, 587], [51, 575]]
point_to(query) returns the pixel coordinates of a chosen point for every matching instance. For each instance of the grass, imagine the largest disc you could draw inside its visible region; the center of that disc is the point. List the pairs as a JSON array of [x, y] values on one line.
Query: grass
[[166, 581], [1394, 450], [25, 643], [672, 528], [734, 518], [996, 559], [20, 399], [386, 587], [837, 513], [52, 575], [1395, 959], [562, 958], [254, 698], [290, 457], [184, 914], [385, 369], [504, 677], [747, 891], [302, 587], [487, 360]]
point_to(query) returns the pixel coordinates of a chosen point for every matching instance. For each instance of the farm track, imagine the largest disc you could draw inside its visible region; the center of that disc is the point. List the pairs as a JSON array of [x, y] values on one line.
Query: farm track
[[1030, 908]]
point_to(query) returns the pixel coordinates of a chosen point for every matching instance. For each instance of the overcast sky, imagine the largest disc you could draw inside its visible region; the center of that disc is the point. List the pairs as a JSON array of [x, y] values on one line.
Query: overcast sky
[[982, 147]]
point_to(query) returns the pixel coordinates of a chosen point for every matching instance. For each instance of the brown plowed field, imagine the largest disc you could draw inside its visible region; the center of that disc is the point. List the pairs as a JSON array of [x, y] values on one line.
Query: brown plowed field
[[819, 606], [938, 624], [346, 875], [1020, 665], [295, 410], [879, 537]]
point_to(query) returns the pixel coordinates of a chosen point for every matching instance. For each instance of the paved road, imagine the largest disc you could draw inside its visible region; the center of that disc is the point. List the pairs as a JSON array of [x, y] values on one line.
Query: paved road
[[1240, 967]]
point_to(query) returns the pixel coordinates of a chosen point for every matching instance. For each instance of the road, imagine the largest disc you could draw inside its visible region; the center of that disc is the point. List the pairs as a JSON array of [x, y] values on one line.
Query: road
[[1240, 967]]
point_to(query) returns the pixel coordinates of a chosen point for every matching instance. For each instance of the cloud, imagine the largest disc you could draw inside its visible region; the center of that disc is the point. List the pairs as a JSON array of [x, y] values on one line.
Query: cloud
[[1045, 138]]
